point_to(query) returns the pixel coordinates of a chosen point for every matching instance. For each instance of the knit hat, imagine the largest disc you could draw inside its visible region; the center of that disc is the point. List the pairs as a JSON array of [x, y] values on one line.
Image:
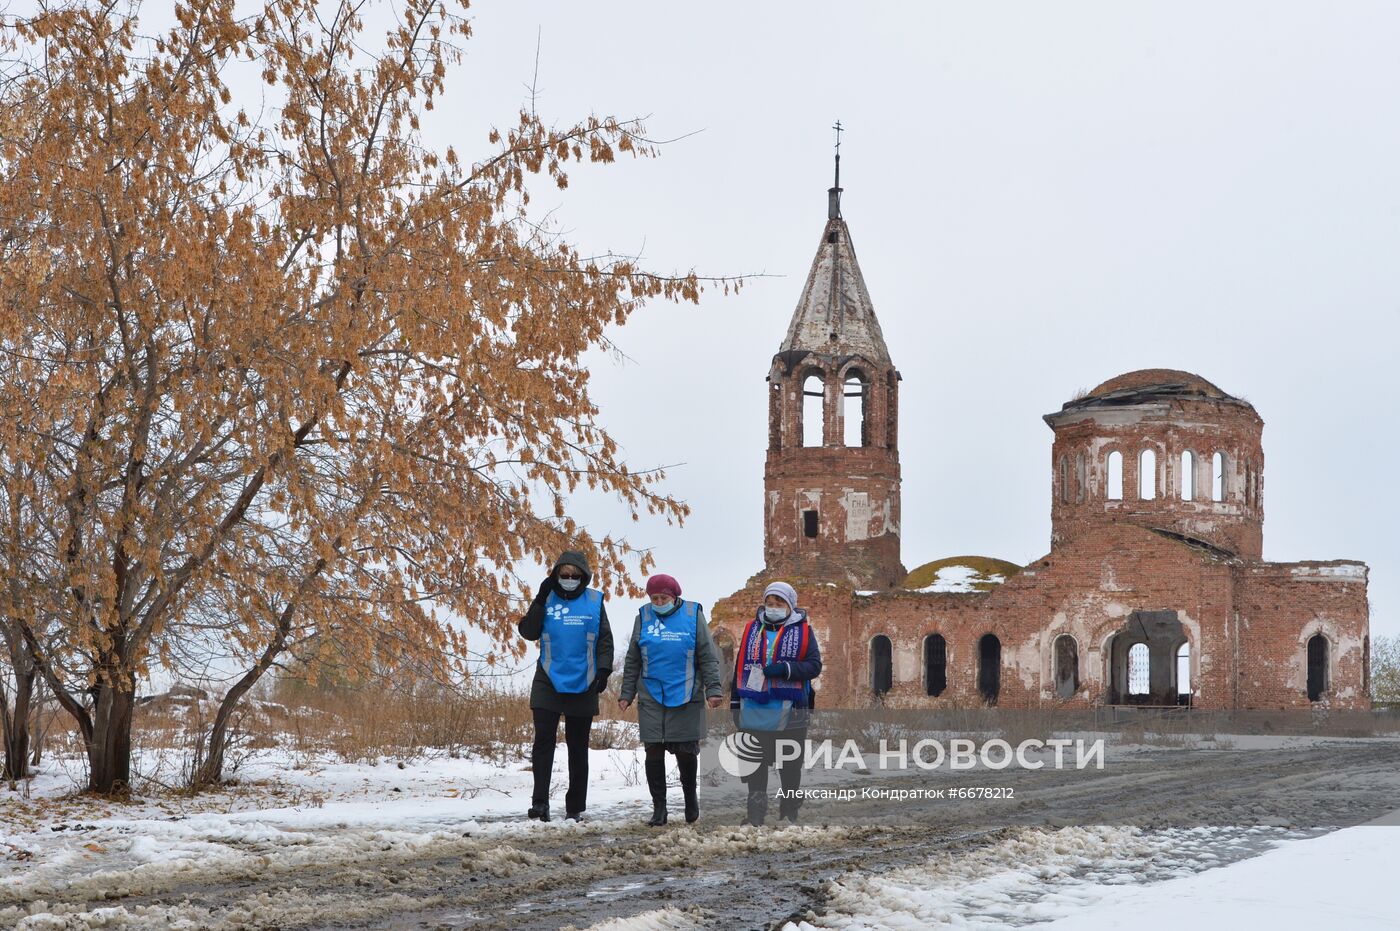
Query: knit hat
[[784, 591], [663, 585]]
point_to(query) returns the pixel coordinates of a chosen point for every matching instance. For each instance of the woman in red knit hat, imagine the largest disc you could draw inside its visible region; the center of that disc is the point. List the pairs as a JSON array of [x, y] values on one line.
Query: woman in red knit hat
[[672, 672]]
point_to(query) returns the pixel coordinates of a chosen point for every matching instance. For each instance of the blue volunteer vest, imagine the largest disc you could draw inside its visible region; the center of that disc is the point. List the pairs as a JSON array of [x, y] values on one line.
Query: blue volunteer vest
[[568, 645], [668, 653]]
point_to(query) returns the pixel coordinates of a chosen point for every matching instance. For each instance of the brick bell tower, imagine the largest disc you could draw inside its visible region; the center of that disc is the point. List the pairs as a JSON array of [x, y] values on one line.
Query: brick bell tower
[[831, 480]]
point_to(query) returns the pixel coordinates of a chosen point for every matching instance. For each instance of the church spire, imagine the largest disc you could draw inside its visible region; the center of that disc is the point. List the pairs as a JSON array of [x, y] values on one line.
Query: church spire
[[834, 315]]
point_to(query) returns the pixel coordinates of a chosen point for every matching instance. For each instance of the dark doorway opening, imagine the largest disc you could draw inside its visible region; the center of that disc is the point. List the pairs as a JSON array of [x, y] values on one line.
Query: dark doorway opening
[[809, 523], [989, 667], [881, 665], [1143, 659], [1317, 667], [935, 664]]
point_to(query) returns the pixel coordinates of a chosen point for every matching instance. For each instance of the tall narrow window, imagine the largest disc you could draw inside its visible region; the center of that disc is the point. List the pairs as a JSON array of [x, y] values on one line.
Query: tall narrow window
[[1188, 476], [1183, 674], [1066, 666], [1064, 479], [853, 411], [1147, 475], [1217, 477], [809, 524], [989, 667], [935, 664], [1115, 476], [1139, 669], [1317, 667], [813, 410], [1080, 478], [881, 664], [775, 415]]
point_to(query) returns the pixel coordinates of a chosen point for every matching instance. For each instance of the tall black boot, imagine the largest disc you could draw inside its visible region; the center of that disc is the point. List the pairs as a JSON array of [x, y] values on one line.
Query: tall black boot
[[688, 765], [757, 808], [656, 781]]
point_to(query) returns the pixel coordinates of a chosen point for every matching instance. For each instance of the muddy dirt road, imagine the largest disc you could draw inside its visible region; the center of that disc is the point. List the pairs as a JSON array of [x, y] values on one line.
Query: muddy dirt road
[[715, 874]]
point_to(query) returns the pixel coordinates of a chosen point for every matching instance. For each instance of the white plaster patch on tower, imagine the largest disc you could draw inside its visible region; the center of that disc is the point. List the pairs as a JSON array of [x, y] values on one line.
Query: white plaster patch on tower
[[857, 505], [1344, 572]]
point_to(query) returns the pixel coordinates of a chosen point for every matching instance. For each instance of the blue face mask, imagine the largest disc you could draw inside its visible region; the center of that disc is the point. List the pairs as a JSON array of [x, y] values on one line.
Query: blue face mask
[[666, 611], [570, 585], [775, 615]]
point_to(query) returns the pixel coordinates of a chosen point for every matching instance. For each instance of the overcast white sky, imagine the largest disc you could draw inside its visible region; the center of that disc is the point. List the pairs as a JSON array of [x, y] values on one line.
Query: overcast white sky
[[1041, 196]]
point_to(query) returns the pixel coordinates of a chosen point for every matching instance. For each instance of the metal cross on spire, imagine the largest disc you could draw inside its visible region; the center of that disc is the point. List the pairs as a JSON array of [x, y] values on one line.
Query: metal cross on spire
[[833, 196], [838, 128]]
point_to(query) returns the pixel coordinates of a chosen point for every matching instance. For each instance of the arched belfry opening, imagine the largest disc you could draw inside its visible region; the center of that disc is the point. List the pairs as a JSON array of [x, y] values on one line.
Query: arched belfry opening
[[812, 429], [855, 420]]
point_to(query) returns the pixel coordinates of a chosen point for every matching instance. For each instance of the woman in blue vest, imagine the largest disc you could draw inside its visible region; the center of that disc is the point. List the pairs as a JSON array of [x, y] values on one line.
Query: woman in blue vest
[[772, 695], [674, 660], [576, 656]]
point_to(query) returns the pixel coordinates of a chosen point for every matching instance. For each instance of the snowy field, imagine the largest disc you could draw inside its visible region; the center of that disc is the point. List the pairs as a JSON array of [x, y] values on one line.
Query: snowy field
[[63, 858]]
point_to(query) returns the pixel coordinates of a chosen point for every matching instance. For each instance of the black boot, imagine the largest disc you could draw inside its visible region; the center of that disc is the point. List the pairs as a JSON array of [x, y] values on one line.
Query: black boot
[[656, 781], [539, 811], [758, 808], [688, 765]]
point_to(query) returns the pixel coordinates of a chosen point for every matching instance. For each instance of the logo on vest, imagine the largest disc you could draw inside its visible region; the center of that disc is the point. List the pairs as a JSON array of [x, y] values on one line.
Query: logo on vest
[[563, 615]]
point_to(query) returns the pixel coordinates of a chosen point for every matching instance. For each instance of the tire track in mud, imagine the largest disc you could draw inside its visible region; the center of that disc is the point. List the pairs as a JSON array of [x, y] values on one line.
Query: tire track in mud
[[715, 875]]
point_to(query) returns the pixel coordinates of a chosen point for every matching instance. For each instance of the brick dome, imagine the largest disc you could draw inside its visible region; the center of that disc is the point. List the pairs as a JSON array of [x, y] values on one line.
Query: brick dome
[[1153, 381]]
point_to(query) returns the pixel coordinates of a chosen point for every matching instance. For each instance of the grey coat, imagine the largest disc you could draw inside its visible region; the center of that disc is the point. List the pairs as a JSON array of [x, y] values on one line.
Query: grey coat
[[659, 724]]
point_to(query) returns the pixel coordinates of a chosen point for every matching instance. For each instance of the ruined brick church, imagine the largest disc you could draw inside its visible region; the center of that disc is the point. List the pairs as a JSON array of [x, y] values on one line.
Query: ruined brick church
[[1154, 592]]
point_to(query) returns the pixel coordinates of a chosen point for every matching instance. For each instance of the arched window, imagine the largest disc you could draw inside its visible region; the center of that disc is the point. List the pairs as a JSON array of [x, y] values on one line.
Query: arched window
[[1147, 475], [1139, 669], [1080, 478], [1064, 479], [1366, 665], [813, 410], [935, 664], [1115, 476], [881, 664], [853, 411], [1066, 666], [775, 415], [1188, 476], [1183, 674], [1217, 477], [1317, 667], [989, 667]]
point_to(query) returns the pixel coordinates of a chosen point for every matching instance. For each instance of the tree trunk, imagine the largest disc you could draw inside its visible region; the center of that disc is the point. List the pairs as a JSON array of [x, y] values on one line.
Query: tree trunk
[[109, 748], [15, 726], [211, 770]]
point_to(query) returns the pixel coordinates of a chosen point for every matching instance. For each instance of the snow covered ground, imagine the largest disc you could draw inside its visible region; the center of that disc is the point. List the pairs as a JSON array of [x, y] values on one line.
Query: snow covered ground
[[1110, 879], [61, 856], [289, 810]]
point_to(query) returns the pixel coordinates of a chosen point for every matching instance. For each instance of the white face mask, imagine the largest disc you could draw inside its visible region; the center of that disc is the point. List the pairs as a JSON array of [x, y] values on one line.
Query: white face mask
[[774, 615], [569, 585]]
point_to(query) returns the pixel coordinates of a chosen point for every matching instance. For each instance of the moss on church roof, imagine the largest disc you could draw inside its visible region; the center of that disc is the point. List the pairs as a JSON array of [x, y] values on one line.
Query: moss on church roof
[[961, 574]]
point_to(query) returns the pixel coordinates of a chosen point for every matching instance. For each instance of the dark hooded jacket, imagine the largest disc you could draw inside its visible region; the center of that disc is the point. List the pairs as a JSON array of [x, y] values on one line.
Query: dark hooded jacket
[[542, 692]]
